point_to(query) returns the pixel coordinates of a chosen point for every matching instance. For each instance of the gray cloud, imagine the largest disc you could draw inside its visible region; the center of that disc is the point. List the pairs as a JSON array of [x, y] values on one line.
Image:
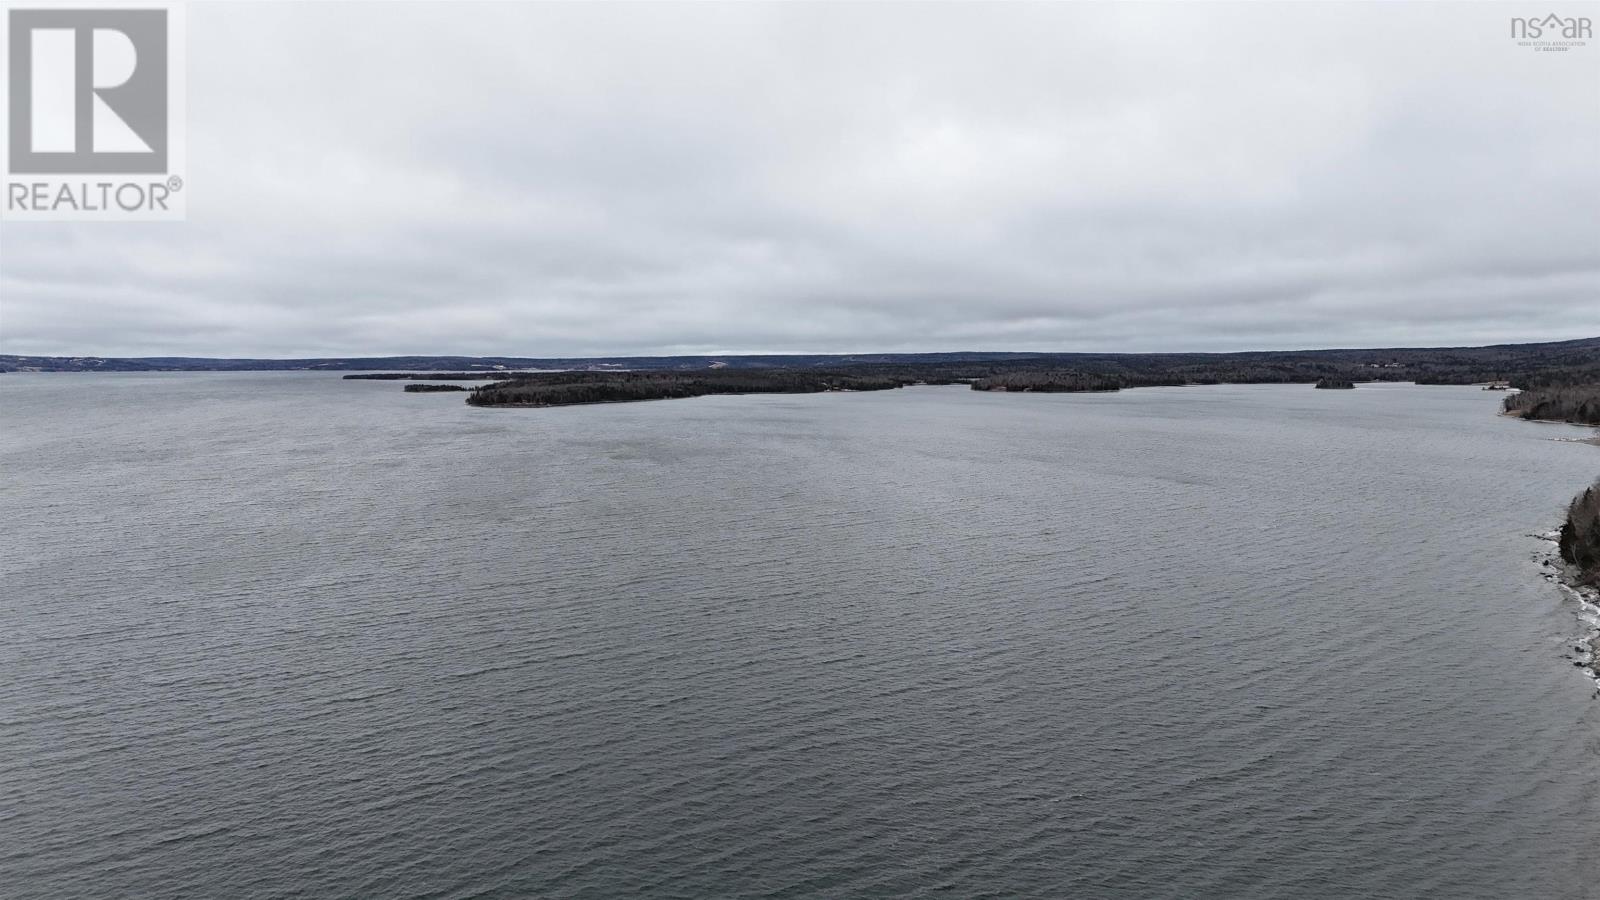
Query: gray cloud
[[595, 179]]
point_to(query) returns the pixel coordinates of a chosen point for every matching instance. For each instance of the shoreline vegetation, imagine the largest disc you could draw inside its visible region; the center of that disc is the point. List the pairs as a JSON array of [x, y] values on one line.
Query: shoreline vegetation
[[1578, 404], [572, 388], [1050, 382], [433, 388], [435, 376], [1336, 384], [1579, 541]]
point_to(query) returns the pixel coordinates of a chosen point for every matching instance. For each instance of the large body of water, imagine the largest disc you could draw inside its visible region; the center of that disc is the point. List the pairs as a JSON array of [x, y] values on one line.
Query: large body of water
[[284, 635]]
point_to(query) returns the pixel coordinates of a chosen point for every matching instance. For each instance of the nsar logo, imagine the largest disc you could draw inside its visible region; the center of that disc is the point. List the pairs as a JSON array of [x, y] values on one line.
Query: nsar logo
[[1553, 32]]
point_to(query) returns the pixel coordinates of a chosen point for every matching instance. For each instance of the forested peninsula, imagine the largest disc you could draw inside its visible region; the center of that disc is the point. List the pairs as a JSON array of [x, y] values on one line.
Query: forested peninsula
[[1575, 403]]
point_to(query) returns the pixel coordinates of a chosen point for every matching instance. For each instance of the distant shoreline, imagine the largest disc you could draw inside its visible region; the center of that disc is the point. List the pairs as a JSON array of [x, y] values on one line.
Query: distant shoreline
[[1557, 371], [1487, 358]]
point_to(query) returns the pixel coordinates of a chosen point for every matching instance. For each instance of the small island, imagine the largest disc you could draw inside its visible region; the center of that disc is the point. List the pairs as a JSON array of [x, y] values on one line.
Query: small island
[[433, 388], [1336, 384], [571, 388]]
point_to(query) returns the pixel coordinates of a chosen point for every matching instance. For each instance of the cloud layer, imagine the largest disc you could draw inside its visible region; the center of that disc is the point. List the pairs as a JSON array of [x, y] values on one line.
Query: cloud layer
[[567, 179]]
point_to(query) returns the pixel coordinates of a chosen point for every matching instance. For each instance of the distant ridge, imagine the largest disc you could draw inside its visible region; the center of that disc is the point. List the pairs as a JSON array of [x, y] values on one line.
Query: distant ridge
[[1583, 351], [443, 363]]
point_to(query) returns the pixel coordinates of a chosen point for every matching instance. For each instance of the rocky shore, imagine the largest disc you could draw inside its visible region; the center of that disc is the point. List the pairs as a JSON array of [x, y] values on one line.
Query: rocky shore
[[1573, 563]]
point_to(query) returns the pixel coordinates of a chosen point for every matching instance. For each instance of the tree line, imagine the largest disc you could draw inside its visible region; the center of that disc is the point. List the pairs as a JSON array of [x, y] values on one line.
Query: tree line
[[1578, 404], [1048, 382], [1580, 535], [568, 388]]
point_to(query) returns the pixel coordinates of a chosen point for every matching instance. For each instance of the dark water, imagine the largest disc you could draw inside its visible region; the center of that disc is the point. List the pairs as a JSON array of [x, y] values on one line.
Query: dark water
[[274, 635]]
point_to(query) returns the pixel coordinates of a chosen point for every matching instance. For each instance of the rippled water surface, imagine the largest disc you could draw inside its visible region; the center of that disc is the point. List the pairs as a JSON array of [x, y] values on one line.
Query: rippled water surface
[[273, 635]]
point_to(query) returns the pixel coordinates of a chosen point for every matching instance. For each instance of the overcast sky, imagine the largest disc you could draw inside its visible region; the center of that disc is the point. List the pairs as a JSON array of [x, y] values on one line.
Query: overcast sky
[[604, 179]]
